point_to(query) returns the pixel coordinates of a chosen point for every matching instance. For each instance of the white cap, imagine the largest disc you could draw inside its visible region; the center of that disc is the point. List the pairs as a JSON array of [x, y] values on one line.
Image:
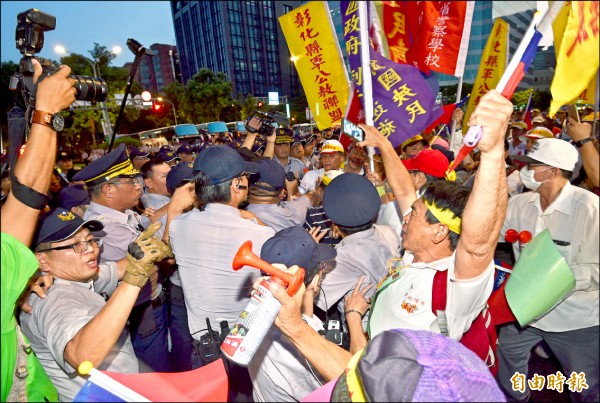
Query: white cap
[[332, 146], [556, 153]]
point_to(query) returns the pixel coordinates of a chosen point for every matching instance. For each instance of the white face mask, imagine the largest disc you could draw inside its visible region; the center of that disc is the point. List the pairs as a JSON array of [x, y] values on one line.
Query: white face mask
[[527, 177]]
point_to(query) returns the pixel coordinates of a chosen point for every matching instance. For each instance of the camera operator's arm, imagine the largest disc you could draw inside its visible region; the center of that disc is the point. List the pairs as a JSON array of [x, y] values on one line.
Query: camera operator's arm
[[270, 147], [33, 169], [249, 140]]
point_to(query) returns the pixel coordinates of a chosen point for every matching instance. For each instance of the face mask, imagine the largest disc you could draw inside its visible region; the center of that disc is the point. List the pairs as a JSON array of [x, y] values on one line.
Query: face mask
[[527, 177]]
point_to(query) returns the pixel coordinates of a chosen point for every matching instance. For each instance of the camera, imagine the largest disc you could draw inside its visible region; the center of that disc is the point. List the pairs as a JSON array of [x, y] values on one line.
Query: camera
[[269, 121], [31, 25]]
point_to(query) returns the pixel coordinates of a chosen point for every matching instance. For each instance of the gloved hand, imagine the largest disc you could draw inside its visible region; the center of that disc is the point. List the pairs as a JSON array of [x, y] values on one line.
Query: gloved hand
[[143, 253]]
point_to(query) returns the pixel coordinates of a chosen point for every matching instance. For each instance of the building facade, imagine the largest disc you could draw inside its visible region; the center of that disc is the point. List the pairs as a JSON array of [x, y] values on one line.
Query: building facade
[[242, 39], [157, 72]]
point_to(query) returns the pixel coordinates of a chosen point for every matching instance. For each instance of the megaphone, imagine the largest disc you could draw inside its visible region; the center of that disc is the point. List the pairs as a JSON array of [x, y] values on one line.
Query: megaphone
[[245, 257]]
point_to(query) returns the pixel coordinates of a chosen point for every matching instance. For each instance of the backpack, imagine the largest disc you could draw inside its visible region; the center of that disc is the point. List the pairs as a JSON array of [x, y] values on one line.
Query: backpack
[[481, 338]]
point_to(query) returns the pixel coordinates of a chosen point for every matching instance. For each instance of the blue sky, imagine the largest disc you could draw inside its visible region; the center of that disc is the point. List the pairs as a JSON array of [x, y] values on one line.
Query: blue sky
[[79, 24]]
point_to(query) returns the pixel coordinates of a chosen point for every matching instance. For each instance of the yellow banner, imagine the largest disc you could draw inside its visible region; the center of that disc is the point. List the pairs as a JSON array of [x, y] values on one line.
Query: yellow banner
[[316, 54], [578, 60], [558, 27], [492, 65]]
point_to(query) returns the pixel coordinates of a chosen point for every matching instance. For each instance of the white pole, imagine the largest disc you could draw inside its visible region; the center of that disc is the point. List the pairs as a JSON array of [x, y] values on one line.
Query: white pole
[[366, 72], [458, 94]]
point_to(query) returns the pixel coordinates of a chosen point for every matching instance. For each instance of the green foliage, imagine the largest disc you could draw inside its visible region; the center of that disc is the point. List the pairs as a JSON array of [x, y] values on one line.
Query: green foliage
[[520, 98], [130, 141], [205, 96]]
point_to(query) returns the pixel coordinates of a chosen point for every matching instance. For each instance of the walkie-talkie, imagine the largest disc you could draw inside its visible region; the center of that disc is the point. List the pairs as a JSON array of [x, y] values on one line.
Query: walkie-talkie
[[209, 345]]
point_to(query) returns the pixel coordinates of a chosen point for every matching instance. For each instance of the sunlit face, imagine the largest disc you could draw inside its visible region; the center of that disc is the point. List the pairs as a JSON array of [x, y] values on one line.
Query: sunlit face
[[416, 231], [127, 191], [157, 180], [69, 265], [282, 151], [331, 161]]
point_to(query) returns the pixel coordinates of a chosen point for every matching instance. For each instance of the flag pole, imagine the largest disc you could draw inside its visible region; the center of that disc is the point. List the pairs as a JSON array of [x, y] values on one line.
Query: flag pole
[[458, 94], [596, 100], [366, 73]]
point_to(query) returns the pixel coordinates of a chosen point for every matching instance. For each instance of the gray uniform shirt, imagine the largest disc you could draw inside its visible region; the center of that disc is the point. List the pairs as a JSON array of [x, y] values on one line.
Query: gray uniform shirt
[[204, 244], [282, 215], [293, 165], [366, 252], [120, 229], [68, 307]]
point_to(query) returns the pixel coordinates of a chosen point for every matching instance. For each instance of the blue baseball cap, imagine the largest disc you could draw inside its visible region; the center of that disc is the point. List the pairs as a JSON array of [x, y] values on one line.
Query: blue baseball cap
[[73, 195], [221, 163], [180, 173], [272, 173], [351, 200], [59, 224], [294, 246]]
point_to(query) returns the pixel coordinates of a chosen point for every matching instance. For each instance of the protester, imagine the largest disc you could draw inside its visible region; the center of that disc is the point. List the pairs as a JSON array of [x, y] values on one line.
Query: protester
[[412, 146], [581, 134], [470, 261], [311, 144], [355, 161], [331, 158], [572, 216], [115, 188], [316, 219], [74, 323], [533, 135], [20, 213], [516, 145]]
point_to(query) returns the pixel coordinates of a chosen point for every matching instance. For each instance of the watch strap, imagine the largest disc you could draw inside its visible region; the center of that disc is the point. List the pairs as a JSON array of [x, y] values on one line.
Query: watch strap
[[581, 142], [42, 118]]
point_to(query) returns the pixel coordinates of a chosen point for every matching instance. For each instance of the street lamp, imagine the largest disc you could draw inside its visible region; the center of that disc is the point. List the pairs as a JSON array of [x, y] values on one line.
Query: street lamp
[[161, 99], [106, 125]]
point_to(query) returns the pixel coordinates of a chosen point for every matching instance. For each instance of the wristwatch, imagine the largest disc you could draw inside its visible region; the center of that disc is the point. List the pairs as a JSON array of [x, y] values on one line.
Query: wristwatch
[[290, 176], [55, 121], [581, 142]]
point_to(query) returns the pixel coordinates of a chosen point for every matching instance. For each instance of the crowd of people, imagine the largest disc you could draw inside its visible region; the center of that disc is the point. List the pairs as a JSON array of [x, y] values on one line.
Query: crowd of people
[[126, 261]]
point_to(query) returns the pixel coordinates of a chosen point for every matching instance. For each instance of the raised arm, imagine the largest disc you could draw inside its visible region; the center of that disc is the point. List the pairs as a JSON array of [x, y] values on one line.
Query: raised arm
[[396, 174], [589, 153], [34, 167], [485, 211]]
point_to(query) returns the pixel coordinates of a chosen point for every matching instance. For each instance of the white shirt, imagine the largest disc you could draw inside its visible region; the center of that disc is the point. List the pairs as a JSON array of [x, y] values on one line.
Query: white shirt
[[309, 181], [573, 217], [406, 301]]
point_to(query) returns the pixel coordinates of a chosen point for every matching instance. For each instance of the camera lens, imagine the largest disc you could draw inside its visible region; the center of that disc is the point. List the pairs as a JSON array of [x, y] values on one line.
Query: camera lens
[[90, 88]]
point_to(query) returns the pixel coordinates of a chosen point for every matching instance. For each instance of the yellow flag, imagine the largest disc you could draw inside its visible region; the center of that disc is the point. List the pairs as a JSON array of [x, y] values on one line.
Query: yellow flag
[[493, 63], [313, 44], [577, 61]]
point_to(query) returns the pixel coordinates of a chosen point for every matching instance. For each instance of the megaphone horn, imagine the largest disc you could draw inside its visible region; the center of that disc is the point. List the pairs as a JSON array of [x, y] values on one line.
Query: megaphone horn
[[245, 257]]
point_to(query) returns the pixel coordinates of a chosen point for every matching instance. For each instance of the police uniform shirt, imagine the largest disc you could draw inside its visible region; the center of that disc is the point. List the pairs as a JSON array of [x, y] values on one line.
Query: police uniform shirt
[[280, 373], [67, 308], [572, 219], [293, 165], [204, 244], [366, 252], [120, 229], [405, 301], [282, 215], [155, 201]]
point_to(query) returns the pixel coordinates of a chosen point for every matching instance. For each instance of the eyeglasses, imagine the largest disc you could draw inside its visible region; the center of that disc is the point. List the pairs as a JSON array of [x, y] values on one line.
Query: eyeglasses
[[78, 247], [132, 182]]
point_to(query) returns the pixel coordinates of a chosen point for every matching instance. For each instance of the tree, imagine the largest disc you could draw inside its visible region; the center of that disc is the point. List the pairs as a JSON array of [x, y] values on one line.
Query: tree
[[520, 98], [205, 96]]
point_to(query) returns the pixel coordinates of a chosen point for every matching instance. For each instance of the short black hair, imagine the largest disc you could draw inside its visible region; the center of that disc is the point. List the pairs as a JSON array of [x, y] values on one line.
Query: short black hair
[[446, 195], [148, 166]]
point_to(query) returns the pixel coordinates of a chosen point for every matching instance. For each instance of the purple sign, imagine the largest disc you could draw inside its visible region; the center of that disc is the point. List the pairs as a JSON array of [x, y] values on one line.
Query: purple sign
[[403, 101]]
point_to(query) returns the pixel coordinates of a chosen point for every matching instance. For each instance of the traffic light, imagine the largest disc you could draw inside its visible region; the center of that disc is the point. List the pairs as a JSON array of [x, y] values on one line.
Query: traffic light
[[157, 105], [259, 104]]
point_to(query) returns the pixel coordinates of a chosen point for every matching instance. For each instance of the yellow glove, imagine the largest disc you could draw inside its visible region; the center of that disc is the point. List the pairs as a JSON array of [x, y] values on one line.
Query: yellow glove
[[143, 253]]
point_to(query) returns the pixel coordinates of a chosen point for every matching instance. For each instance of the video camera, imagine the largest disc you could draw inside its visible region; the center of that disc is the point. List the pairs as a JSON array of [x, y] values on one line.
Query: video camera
[[31, 25], [267, 119]]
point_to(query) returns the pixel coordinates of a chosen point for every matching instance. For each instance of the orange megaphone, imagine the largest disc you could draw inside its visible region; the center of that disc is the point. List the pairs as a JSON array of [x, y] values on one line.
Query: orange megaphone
[[245, 256]]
